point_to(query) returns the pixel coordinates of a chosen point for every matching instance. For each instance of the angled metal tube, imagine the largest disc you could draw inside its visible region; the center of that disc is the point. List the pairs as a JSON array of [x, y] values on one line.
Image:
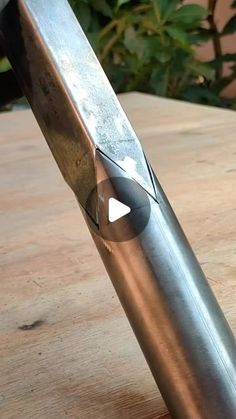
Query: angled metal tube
[[179, 325]]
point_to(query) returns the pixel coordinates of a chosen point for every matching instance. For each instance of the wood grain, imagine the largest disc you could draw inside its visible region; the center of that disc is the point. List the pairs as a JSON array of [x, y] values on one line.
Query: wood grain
[[66, 348]]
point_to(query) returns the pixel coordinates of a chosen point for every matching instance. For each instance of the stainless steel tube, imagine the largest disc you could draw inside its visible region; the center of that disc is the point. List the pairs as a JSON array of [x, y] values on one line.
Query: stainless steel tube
[[173, 312]]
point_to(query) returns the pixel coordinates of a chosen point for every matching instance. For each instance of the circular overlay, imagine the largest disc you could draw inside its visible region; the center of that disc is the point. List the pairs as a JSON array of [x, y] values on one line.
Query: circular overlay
[[122, 208]]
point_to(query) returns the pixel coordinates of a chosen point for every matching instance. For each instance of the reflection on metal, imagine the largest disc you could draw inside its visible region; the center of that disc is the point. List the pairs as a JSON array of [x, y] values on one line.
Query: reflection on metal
[[178, 323]]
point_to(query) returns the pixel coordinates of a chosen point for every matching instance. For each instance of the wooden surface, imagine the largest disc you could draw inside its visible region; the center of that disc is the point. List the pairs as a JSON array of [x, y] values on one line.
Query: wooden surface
[[66, 349]]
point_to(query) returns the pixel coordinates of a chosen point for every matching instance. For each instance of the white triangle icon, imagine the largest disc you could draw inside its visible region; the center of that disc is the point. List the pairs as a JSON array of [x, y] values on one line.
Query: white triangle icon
[[116, 210]]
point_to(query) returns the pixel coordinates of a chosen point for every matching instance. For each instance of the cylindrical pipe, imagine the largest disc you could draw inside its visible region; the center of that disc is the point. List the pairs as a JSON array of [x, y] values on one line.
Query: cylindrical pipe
[[172, 310], [180, 327]]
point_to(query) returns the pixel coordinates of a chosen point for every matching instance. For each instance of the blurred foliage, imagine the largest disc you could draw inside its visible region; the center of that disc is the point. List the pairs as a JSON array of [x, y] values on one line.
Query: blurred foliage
[[149, 46], [4, 64]]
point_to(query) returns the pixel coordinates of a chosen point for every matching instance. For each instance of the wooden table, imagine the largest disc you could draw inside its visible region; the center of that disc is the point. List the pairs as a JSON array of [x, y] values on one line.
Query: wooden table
[[66, 348]]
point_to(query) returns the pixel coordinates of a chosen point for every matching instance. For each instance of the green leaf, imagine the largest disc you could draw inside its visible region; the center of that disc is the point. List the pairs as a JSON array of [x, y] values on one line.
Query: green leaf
[[103, 7], [165, 8], [180, 60], [177, 34], [189, 14], [230, 26], [201, 94], [131, 40], [156, 51], [120, 3], [4, 65], [201, 36], [163, 56], [170, 7], [132, 63], [202, 69], [233, 5], [226, 58], [159, 81], [135, 44]]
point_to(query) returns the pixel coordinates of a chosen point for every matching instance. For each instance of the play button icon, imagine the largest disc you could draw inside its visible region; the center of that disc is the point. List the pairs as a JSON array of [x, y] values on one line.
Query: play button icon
[[117, 210]]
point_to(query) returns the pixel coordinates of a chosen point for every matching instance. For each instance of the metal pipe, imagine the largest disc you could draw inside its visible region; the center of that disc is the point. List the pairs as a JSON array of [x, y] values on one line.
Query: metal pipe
[[179, 325]]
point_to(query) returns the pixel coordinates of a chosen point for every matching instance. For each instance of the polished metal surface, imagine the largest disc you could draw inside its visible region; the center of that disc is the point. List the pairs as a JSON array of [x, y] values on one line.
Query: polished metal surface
[[180, 327]]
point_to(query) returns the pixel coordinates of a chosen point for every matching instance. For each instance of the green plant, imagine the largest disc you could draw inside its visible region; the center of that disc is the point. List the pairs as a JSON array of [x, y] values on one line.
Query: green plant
[[212, 91], [4, 64], [149, 45]]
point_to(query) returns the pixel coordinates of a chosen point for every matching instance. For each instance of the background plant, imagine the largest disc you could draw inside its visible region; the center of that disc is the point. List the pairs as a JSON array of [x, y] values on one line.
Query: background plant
[[150, 46], [220, 82]]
